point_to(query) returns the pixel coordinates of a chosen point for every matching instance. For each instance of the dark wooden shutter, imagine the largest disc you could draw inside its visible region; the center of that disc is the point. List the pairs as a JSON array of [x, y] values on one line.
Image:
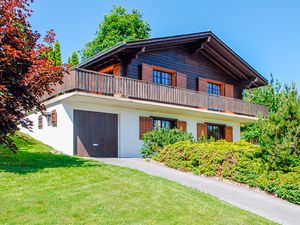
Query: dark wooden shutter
[[145, 125], [54, 118], [202, 85], [40, 122], [201, 127], [181, 80], [229, 90], [229, 134], [181, 125], [147, 73], [117, 70]]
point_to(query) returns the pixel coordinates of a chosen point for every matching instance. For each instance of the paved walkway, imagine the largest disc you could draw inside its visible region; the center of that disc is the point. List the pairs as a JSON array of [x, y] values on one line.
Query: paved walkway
[[257, 202]]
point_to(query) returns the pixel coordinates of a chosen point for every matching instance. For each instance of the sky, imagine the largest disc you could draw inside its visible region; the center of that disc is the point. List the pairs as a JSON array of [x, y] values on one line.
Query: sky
[[265, 33]]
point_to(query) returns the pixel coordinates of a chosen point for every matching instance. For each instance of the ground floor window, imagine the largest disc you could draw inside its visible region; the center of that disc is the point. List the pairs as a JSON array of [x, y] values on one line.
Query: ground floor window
[[215, 131], [158, 123], [49, 119]]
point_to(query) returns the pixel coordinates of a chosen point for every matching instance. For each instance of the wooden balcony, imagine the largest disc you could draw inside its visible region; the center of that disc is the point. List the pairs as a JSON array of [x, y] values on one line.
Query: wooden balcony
[[104, 84]]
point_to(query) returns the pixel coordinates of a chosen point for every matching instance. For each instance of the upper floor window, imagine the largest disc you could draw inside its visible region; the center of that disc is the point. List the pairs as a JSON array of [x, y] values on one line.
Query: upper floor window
[[215, 131], [159, 123], [161, 77], [214, 89]]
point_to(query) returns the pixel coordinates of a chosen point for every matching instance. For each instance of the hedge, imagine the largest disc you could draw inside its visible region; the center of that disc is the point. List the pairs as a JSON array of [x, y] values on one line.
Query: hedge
[[240, 161]]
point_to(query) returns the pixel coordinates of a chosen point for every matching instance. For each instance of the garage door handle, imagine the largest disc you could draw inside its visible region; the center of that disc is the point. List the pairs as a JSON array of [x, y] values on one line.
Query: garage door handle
[[95, 145]]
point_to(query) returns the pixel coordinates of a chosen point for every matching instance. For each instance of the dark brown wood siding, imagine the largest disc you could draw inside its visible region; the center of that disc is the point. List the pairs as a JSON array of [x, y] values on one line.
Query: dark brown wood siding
[[181, 60], [95, 134]]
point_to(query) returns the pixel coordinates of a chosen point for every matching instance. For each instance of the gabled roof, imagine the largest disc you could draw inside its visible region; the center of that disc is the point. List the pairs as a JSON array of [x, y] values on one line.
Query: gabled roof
[[206, 43]]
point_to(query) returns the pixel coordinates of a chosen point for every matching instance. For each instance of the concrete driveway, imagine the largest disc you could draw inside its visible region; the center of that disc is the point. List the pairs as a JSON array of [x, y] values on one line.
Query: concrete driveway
[[258, 202]]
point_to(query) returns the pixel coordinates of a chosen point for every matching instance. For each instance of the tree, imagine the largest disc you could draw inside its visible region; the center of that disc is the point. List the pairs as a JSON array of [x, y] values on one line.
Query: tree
[[279, 134], [56, 54], [280, 140], [270, 96], [26, 72], [119, 25], [74, 59]]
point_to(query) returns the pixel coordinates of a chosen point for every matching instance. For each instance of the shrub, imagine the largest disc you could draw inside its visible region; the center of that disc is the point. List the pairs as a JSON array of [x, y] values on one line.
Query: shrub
[[279, 133], [158, 138], [240, 161]]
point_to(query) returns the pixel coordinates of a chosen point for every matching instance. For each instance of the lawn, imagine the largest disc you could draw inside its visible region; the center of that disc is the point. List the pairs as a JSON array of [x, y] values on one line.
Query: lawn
[[42, 187]]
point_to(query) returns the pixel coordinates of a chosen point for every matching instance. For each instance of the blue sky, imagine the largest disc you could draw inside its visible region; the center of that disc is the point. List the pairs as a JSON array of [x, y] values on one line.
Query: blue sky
[[263, 32]]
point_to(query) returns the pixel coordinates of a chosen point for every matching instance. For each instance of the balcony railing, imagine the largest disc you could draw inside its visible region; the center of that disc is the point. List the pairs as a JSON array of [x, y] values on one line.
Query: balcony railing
[[104, 84]]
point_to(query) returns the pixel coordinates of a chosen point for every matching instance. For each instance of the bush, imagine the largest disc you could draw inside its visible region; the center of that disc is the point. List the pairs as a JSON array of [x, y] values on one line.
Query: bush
[[279, 133], [158, 138], [240, 161]]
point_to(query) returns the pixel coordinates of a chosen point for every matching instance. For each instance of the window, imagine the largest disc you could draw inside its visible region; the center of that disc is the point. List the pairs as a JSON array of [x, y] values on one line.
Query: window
[[158, 123], [49, 119], [214, 89], [160, 77], [215, 131]]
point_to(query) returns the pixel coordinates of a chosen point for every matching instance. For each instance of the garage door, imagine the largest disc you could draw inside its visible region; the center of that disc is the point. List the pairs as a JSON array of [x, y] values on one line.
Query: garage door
[[95, 134]]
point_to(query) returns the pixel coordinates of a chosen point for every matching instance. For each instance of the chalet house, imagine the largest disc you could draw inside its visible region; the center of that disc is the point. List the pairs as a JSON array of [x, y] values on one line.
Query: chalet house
[[105, 105]]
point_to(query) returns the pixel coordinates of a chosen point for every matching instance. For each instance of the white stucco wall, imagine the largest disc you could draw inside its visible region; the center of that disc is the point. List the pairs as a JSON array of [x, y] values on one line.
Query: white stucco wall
[[60, 137], [129, 145]]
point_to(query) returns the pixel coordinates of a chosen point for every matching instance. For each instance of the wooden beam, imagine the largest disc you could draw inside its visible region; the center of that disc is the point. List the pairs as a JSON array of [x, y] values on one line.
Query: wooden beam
[[225, 62], [236, 58], [143, 49], [217, 63]]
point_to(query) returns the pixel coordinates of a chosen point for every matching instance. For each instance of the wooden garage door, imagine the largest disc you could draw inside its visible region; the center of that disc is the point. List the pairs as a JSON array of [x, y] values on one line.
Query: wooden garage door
[[95, 134]]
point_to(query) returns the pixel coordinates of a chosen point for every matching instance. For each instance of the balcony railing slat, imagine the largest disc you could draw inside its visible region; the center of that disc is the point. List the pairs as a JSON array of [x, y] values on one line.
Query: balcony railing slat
[[95, 82]]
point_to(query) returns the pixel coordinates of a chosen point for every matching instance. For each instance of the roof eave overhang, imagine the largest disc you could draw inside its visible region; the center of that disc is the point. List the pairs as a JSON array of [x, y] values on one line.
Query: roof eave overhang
[[213, 48]]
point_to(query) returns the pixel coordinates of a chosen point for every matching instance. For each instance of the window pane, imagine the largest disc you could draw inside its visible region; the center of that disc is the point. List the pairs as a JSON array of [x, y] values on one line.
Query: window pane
[[214, 89], [160, 77], [159, 123], [215, 131]]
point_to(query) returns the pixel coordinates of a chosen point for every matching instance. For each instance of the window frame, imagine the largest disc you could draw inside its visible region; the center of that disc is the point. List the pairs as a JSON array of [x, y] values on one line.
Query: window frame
[[172, 74], [219, 135], [163, 121], [221, 84]]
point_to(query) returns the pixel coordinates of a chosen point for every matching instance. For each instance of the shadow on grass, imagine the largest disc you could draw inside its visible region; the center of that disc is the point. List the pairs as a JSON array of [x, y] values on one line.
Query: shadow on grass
[[34, 156]]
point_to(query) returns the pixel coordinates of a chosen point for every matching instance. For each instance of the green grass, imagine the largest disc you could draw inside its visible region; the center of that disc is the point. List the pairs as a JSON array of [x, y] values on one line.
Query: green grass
[[38, 186]]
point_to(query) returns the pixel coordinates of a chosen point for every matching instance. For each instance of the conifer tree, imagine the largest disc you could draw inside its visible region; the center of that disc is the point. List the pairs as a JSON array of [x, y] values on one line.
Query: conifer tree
[[57, 54], [74, 59]]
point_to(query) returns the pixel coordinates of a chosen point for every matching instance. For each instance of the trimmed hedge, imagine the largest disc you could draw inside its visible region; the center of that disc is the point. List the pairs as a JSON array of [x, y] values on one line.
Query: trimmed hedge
[[240, 161], [158, 138]]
